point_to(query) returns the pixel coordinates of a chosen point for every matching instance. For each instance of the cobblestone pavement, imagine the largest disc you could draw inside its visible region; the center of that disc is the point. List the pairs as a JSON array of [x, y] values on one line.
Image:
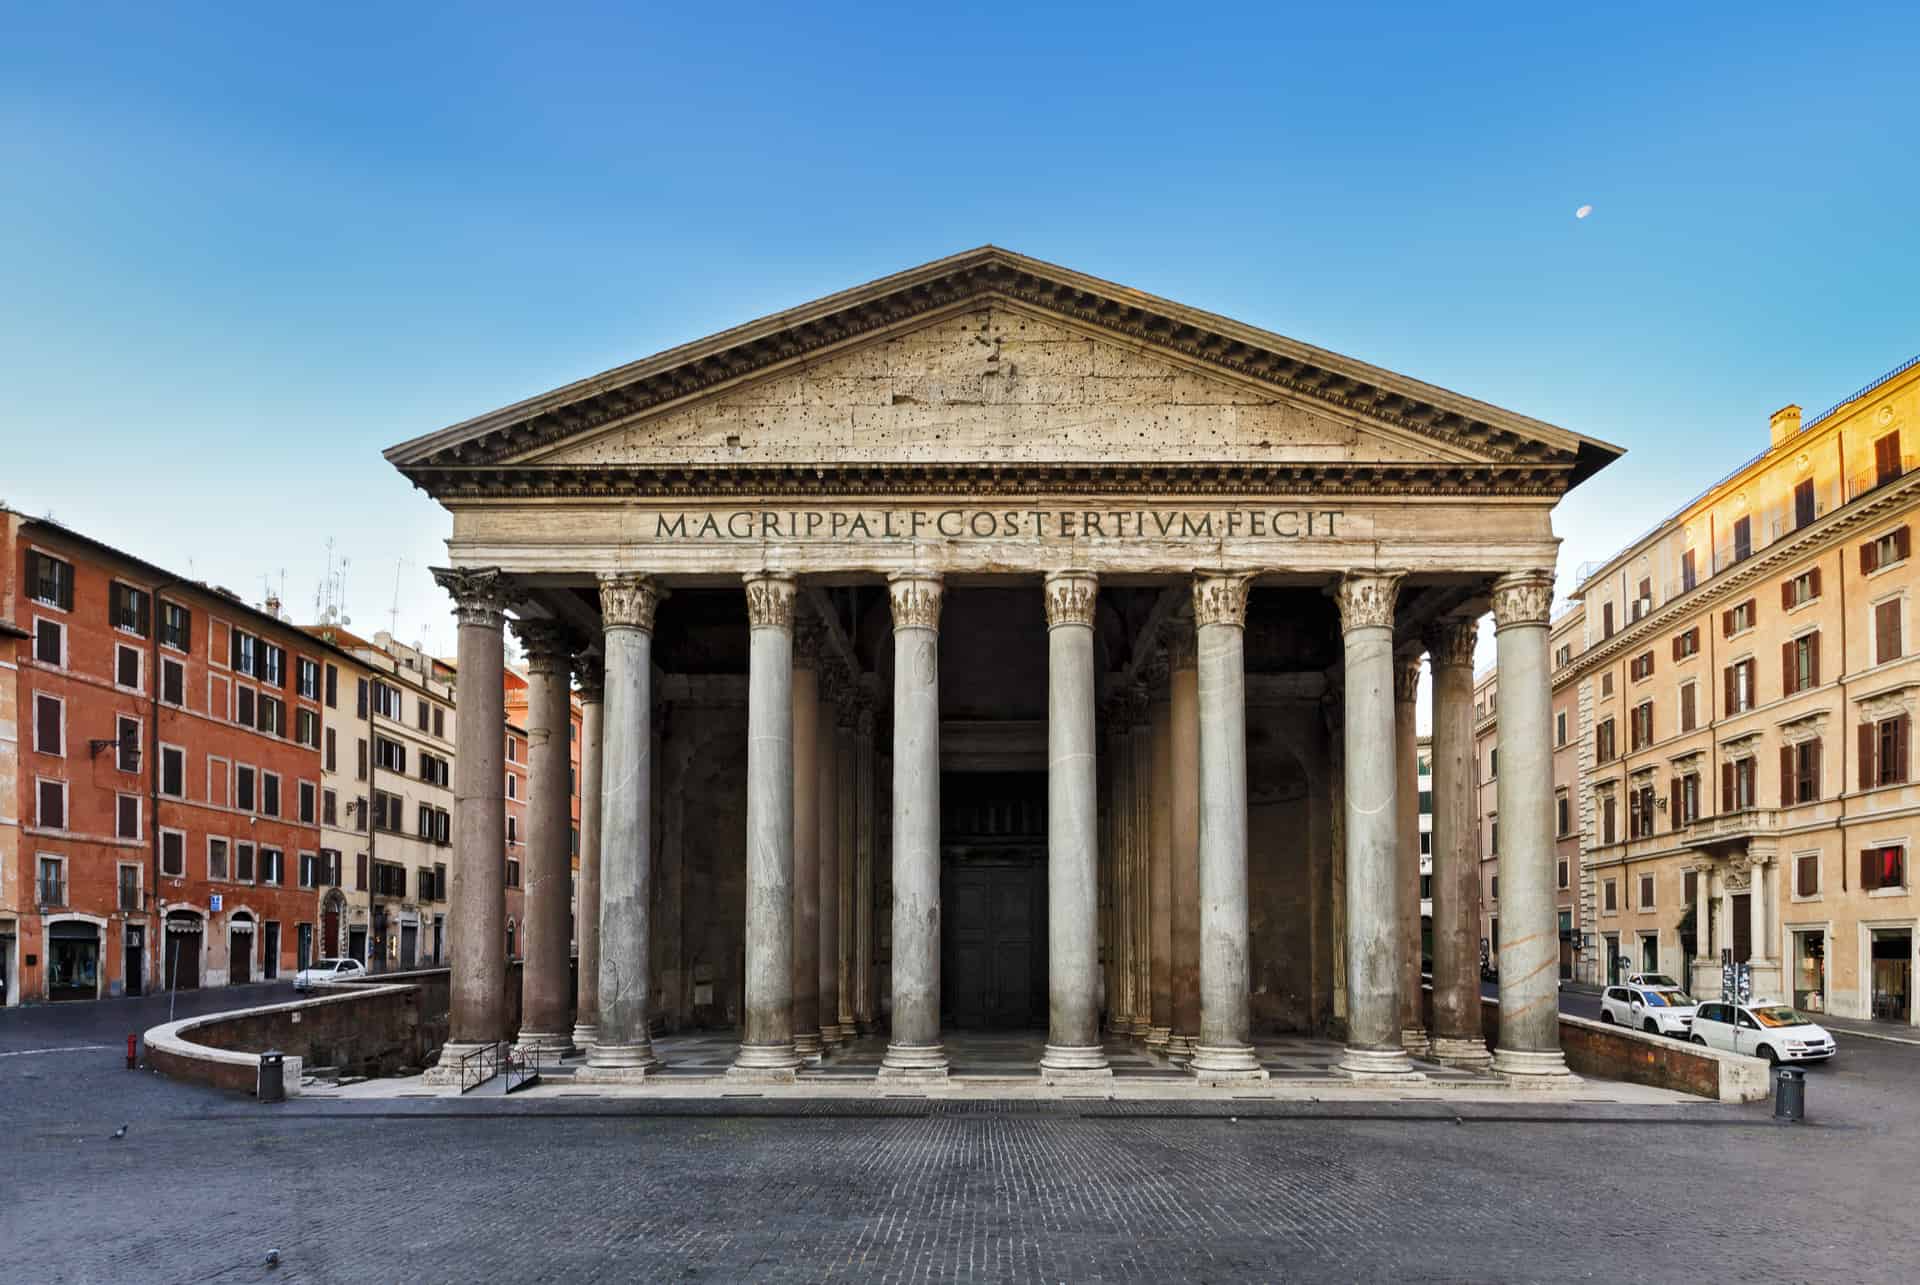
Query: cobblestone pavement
[[203, 1185]]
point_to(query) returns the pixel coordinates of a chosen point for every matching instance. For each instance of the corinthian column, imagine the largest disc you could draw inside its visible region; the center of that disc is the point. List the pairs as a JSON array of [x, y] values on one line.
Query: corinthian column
[[1073, 819], [826, 892], [478, 923], [586, 914], [1406, 770], [843, 754], [806, 841], [623, 1049], [1529, 1045], [1224, 1051], [766, 1047], [915, 1048], [1183, 686], [545, 1000], [863, 867], [1459, 1038], [1160, 853], [1373, 830]]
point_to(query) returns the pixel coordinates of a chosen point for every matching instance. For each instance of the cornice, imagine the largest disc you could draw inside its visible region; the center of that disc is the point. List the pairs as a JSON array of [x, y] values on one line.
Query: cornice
[[989, 275], [1743, 577]]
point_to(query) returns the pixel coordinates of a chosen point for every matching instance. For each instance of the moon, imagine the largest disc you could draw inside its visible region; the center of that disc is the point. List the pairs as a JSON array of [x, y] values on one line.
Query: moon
[[1583, 212]]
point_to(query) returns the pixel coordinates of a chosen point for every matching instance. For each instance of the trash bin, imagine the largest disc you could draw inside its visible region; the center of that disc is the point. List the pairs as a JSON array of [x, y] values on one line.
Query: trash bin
[[1790, 1094], [273, 1078]]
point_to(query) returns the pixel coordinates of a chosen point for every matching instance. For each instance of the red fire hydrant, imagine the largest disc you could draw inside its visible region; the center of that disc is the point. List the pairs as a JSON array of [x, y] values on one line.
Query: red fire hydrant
[[132, 1045]]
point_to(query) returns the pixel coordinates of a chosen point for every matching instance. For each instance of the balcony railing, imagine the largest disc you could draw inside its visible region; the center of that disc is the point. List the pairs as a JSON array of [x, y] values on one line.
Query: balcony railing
[[1727, 826], [1874, 478]]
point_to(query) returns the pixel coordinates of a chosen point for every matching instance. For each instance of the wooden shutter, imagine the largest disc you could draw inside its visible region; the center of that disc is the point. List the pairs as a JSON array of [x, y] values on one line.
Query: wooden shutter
[[1812, 755], [1886, 632], [1786, 594], [1727, 676], [46, 718], [1726, 787], [1786, 776], [1726, 623], [1901, 727], [1813, 660], [1813, 581], [1677, 639], [1805, 884], [1687, 711], [1902, 545], [1869, 562], [1866, 744], [1869, 869], [1788, 679], [1886, 457]]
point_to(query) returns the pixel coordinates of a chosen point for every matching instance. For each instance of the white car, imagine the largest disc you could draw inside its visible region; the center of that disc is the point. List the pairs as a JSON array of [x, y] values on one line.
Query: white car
[[1657, 1010], [1772, 1031], [1659, 980], [322, 971]]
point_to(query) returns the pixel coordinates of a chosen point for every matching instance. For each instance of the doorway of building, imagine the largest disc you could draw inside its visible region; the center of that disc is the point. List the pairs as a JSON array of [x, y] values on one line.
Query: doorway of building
[[270, 951], [1742, 926], [409, 944], [357, 943], [73, 961], [1892, 951], [239, 950], [439, 937], [993, 900], [182, 946], [134, 952]]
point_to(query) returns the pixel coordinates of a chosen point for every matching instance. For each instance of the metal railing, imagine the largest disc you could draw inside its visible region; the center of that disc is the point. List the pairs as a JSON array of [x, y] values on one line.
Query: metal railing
[[523, 1068], [481, 1065]]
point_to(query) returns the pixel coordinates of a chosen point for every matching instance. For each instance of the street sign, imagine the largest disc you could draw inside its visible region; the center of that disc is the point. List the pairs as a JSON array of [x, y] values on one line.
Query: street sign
[[213, 903]]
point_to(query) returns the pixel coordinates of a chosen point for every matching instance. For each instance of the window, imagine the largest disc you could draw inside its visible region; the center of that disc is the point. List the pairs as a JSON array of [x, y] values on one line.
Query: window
[[1610, 897], [1806, 875], [329, 808], [129, 609], [359, 807], [1686, 790], [388, 811], [126, 744], [173, 682], [512, 830], [1803, 503], [49, 725], [1740, 686], [273, 866], [1887, 642], [307, 678], [439, 723], [435, 770], [50, 580], [1561, 874], [243, 862], [173, 854], [1689, 575], [216, 858], [1800, 590], [173, 771], [52, 799], [1689, 706], [1606, 683], [176, 626], [243, 705], [1493, 764], [1563, 655], [1604, 749], [129, 889], [50, 642], [1800, 664], [312, 869], [219, 781], [330, 866], [439, 882], [511, 788], [1643, 598], [386, 700], [1640, 812], [1884, 867], [360, 872], [360, 698], [1799, 773], [391, 756], [1493, 836], [333, 686], [53, 881], [126, 667], [1883, 752], [1560, 727], [424, 715], [1886, 458], [244, 779], [273, 715], [1884, 550], [1742, 539], [1737, 619], [513, 753], [1686, 643], [1606, 620], [330, 760], [244, 652], [1562, 816], [307, 795], [513, 873], [273, 665], [126, 816], [1646, 892], [1640, 667], [270, 794], [1736, 786], [361, 766], [1641, 727], [306, 728]]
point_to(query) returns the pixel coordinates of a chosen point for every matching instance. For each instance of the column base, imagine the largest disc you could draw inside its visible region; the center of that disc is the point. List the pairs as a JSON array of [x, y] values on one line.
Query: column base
[[1524, 1069], [1180, 1046], [1414, 1040], [1141, 1028], [556, 1043], [765, 1063], [585, 1035], [1158, 1038], [1065, 1063], [867, 1027], [809, 1046], [914, 1062], [1377, 1064], [1225, 1063], [619, 1063], [832, 1035], [445, 1073], [1462, 1055]]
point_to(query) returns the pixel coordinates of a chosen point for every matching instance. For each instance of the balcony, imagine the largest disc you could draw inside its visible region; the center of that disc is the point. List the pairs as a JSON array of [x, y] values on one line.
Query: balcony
[[1732, 827], [1873, 479]]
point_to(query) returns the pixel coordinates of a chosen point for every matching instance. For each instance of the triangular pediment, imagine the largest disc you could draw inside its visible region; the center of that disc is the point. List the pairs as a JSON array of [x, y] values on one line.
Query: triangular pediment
[[989, 359]]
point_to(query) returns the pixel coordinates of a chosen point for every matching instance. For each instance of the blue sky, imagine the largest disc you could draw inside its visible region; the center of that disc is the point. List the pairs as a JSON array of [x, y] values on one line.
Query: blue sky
[[244, 248]]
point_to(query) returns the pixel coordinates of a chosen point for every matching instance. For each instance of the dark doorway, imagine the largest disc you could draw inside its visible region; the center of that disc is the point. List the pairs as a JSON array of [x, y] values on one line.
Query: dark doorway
[[73, 961], [330, 933], [1742, 927], [134, 947], [182, 947], [270, 952], [240, 952], [993, 901], [409, 944]]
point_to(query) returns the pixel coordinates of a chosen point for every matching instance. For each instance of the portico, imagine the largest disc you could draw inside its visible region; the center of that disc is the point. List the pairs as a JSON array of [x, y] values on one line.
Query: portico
[[991, 645]]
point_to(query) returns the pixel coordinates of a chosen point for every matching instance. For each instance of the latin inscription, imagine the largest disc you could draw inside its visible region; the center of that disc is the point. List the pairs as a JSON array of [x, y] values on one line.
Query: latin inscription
[[1001, 524]]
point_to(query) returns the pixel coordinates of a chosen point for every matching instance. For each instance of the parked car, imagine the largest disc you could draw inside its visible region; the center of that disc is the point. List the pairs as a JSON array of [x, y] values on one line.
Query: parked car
[[1660, 980], [1772, 1031], [322, 971], [1657, 1010]]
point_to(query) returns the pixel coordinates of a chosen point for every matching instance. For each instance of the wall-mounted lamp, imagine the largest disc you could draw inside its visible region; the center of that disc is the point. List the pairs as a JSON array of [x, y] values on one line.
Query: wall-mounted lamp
[[127, 746]]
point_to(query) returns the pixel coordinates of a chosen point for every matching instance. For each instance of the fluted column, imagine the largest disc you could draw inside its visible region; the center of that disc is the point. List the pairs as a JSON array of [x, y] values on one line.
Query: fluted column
[[766, 1047], [1224, 1050], [843, 752], [477, 945], [1183, 686], [1406, 765], [1459, 1036], [1073, 1048], [1160, 853], [826, 761], [915, 1048], [1529, 1044], [546, 1017], [1372, 829], [623, 1049], [806, 841], [863, 1008], [586, 910]]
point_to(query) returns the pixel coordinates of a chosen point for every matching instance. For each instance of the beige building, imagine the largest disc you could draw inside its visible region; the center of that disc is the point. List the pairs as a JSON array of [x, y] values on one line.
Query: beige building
[[995, 647]]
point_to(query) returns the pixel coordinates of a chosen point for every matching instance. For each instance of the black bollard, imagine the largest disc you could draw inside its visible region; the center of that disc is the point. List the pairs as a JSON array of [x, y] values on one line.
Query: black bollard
[[1790, 1095]]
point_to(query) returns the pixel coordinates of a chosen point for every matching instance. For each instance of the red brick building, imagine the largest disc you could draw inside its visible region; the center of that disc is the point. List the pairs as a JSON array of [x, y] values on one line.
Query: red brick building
[[165, 771], [516, 707]]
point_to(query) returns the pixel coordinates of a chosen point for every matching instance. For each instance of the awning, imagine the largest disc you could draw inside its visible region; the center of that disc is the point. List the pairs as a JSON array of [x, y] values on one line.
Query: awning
[[185, 924], [240, 925], [73, 930]]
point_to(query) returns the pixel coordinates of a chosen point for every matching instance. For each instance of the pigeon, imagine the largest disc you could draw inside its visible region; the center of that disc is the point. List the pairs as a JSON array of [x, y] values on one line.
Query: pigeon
[[273, 1258], [121, 1132]]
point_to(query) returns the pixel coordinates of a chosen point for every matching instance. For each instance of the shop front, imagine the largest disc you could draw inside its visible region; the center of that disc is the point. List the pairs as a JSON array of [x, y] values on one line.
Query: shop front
[[73, 960], [1892, 977], [1810, 969], [185, 936]]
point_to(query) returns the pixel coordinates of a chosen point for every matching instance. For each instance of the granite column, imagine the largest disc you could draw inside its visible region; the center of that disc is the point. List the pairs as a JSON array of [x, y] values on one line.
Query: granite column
[[915, 1049], [1459, 1035], [546, 1017]]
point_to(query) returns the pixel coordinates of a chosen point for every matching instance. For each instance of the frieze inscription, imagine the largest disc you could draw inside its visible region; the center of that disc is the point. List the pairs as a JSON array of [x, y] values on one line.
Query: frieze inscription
[[998, 523]]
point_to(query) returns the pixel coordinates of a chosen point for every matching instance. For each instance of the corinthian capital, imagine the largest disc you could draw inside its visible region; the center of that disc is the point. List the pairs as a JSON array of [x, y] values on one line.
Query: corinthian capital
[[590, 672], [1181, 644], [1451, 643], [770, 600], [916, 599], [1366, 599], [1071, 598], [809, 641], [548, 644], [1523, 598], [628, 601], [1220, 598], [481, 595], [1406, 679]]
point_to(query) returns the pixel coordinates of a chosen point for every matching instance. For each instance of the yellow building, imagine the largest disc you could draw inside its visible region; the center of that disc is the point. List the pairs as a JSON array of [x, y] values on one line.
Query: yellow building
[[1740, 694]]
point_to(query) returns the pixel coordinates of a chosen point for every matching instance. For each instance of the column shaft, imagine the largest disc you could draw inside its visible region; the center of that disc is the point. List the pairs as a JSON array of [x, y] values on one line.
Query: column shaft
[[806, 855], [825, 953], [1459, 1037], [1184, 812], [1372, 830], [766, 1047], [1141, 738], [1120, 753], [843, 890], [546, 1016], [863, 1008], [1160, 868], [1529, 1044], [586, 909], [623, 1049], [915, 1048], [1406, 759]]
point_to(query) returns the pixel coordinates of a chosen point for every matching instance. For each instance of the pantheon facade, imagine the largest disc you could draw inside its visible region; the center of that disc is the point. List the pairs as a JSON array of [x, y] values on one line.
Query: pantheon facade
[[995, 647]]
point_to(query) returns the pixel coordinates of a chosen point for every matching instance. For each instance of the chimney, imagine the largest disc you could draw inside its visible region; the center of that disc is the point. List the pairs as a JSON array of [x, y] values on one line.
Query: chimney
[[1786, 423], [273, 605]]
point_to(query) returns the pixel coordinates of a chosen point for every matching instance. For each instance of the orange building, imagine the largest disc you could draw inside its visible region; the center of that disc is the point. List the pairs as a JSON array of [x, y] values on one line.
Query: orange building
[[516, 704]]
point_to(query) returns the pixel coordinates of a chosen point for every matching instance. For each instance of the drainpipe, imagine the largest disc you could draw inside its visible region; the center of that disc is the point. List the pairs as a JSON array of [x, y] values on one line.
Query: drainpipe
[[373, 829], [159, 943]]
